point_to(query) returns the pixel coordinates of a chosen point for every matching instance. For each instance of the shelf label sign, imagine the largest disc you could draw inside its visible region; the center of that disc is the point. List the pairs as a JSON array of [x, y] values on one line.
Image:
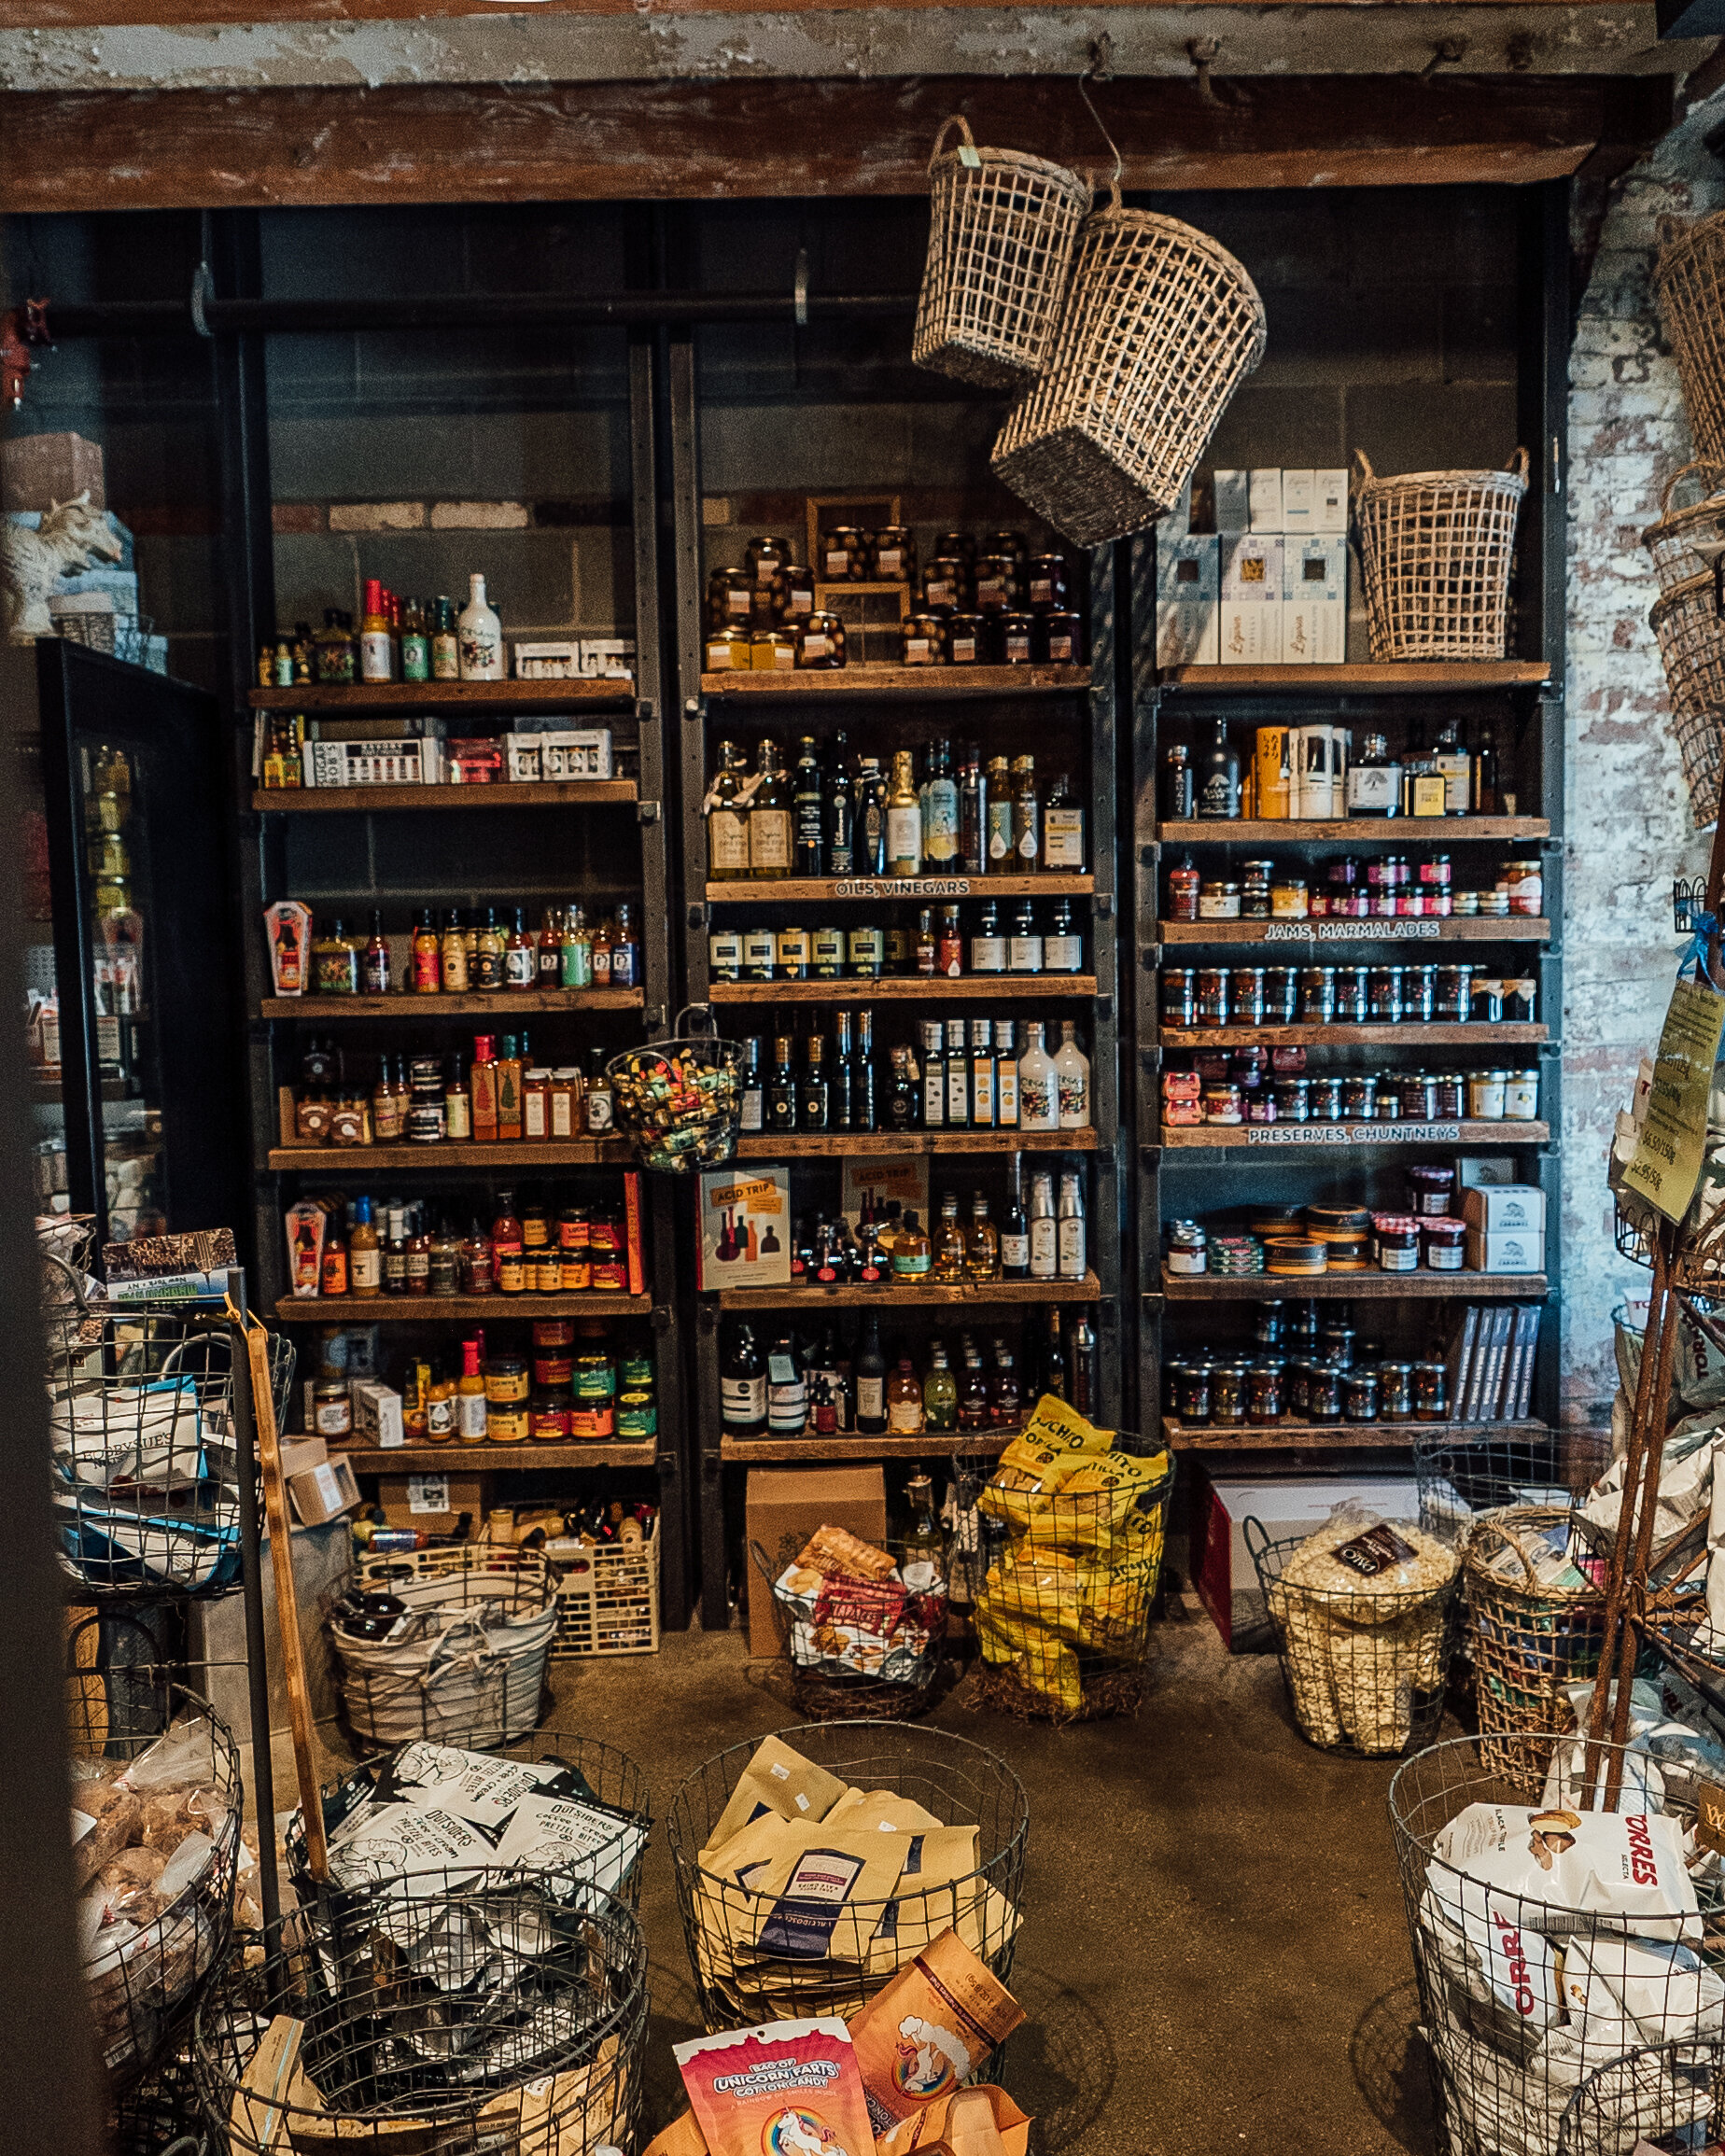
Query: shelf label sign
[[1674, 1137], [1353, 1133], [1356, 929], [903, 886]]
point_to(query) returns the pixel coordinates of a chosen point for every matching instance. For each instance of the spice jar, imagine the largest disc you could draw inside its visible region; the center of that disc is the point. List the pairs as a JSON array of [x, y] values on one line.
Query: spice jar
[[1013, 639], [773, 650], [1057, 637], [1442, 1243], [1187, 1247], [730, 600], [1359, 1396], [1521, 1096], [1396, 1390], [923, 640], [894, 554], [821, 642], [841, 555], [1431, 1393], [1264, 1391], [967, 640], [945, 584], [1485, 1095]]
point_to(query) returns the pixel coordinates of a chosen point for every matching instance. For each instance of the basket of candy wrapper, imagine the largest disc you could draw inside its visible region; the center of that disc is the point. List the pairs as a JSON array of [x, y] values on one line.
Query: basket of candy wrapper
[[1074, 1520], [1364, 1611], [1534, 1620], [861, 1625], [1553, 1940], [155, 1852], [860, 1842], [679, 1101]]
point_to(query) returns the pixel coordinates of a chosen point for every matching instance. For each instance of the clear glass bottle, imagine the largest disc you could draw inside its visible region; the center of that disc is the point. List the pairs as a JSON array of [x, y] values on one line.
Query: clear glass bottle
[[1026, 814], [481, 636], [770, 817], [948, 1267], [727, 818], [904, 819], [940, 820], [903, 1400], [1070, 1229], [940, 1405], [1374, 786], [1045, 1233], [912, 1257], [1071, 1076], [982, 1242], [1062, 827], [1454, 765]]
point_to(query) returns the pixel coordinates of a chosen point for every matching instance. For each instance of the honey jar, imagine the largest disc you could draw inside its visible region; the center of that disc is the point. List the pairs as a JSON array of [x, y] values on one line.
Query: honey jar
[[728, 651], [773, 650]]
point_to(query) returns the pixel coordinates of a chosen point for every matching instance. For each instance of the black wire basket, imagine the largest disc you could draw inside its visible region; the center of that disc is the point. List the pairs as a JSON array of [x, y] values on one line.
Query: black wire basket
[[475, 2005], [861, 1633], [680, 1100], [1461, 1477], [147, 1492], [160, 2113], [1671, 2097], [156, 1867], [761, 1957]]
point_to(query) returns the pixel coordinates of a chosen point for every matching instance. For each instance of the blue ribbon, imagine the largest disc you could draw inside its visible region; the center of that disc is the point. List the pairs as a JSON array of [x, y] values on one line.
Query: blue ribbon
[[1703, 925]]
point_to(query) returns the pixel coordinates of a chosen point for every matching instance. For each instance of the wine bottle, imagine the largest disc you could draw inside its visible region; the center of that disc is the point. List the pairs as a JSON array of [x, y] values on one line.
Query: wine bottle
[[1218, 779]]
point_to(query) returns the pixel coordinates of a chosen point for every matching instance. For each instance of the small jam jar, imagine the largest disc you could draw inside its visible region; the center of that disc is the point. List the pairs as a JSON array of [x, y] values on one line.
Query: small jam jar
[[1431, 1393], [1396, 1390], [773, 650], [1485, 1095], [1015, 641], [1353, 995], [1442, 1241], [1293, 1097], [1451, 1095], [1182, 1097], [1289, 900], [1193, 1392], [1223, 1103], [967, 640], [1189, 1247], [727, 651], [1521, 1096], [997, 584], [1179, 996], [1264, 1391], [1324, 1393], [1245, 995], [1317, 995], [1395, 1239], [1280, 994], [1048, 585], [1360, 1395], [1183, 888], [1524, 881], [1430, 1190], [1219, 901], [1254, 890], [923, 640], [1057, 638], [1326, 1099], [1227, 1393]]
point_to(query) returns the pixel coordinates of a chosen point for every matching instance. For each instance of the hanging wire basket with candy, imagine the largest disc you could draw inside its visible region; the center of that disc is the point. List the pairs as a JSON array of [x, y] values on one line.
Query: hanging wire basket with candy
[[680, 1100]]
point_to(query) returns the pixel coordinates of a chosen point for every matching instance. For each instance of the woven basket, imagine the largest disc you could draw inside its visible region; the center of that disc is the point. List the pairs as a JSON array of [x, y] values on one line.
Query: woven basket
[[1527, 1642], [1001, 229], [1160, 327], [1689, 281], [1672, 541], [1692, 649], [1436, 548]]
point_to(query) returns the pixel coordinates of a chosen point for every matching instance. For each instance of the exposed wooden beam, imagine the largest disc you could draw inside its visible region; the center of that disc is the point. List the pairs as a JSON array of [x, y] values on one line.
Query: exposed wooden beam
[[89, 14], [195, 149]]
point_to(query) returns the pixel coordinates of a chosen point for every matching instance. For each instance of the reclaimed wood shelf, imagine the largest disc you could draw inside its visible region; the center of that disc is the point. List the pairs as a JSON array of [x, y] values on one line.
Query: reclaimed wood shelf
[[1284, 1135], [498, 1003], [813, 890], [1263, 1436], [1404, 929], [1369, 1287], [504, 1153], [875, 1144], [917, 987], [1260, 832], [506, 793], [851, 1445], [439, 696], [484, 1457], [1435, 1035], [410, 1309], [1411, 676], [994, 1293], [852, 682]]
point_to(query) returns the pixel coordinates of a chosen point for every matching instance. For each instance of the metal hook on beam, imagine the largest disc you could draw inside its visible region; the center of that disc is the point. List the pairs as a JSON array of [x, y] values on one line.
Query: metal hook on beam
[[1445, 53], [1202, 52]]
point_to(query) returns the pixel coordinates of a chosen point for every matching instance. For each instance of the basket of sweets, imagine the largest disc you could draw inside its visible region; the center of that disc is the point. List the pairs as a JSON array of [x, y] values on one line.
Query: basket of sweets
[[680, 1100]]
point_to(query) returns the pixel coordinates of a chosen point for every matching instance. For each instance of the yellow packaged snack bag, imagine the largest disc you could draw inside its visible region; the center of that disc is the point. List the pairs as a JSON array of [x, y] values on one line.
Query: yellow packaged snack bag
[[1027, 1476], [1059, 1428], [1095, 1500], [778, 1779]]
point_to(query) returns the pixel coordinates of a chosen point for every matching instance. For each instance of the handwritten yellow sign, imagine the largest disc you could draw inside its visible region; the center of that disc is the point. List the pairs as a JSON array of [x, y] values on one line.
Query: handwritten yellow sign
[[1673, 1138]]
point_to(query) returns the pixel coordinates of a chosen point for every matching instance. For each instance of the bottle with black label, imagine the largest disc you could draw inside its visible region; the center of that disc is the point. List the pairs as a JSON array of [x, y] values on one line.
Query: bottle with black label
[[1218, 779], [871, 818], [841, 809], [841, 1082], [742, 1386], [1176, 783], [1064, 946], [869, 1369], [781, 1088], [751, 1105], [814, 1099], [807, 810], [1375, 780], [973, 814], [1014, 1231]]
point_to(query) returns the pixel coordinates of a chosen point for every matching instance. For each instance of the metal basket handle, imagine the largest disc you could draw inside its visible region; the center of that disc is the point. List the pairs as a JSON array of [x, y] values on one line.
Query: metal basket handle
[[1363, 465], [969, 141], [74, 1280], [704, 1027], [1255, 1537], [1509, 1543]]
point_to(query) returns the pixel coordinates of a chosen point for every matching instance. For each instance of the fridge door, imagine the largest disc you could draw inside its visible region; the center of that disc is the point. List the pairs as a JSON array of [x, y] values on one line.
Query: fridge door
[[144, 943]]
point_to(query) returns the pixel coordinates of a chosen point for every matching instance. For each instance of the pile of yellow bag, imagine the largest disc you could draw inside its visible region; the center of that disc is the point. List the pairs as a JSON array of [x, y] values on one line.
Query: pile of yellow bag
[[1081, 1571]]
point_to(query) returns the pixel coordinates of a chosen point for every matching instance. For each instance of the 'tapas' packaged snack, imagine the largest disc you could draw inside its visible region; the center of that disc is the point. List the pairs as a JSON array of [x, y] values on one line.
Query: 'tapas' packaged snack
[[785, 2088], [930, 2030]]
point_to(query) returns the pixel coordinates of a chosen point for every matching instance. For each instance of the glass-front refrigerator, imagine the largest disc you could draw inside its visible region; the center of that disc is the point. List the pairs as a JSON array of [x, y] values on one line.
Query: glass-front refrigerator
[[134, 957]]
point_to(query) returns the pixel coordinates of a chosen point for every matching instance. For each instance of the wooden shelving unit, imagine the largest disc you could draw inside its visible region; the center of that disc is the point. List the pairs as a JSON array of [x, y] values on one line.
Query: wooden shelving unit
[[878, 1145], [1270, 1136], [1411, 677], [1356, 1287], [1289, 1435], [1434, 1036], [873, 891], [485, 1459], [491, 1004], [856, 1294], [968, 987], [434, 1309], [1364, 831], [1453, 928], [929, 1445], [346, 1162], [524, 793], [850, 684], [494, 698]]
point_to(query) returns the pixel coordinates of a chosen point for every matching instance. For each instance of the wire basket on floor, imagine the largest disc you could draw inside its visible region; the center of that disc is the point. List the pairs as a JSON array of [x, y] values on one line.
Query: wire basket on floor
[[156, 1855], [452, 1645], [1512, 2034], [161, 2112], [1063, 1614], [1673, 540], [1688, 279], [1364, 1653], [1668, 2095], [1001, 229], [1691, 634], [1436, 548], [146, 1495], [1533, 1627], [679, 1101], [1160, 325], [769, 1956], [480, 2010], [1463, 1476], [862, 1625]]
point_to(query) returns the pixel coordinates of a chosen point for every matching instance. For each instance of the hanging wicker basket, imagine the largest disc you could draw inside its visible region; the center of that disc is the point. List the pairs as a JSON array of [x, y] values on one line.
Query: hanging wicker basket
[[1160, 328], [1674, 541], [1001, 229], [1689, 281], [1688, 624], [1436, 548]]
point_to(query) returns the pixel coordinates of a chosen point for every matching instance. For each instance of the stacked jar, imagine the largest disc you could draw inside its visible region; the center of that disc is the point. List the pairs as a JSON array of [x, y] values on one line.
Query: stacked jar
[[991, 602], [763, 616]]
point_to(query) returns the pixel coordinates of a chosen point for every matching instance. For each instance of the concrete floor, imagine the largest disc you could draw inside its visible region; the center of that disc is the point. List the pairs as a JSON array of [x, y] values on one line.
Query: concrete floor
[[1214, 1955]]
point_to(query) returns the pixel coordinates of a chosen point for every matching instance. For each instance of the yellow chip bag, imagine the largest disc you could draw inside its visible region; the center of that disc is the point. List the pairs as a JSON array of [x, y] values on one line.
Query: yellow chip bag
[[1027, 1476], [1055, 1426], [1095, 1500]]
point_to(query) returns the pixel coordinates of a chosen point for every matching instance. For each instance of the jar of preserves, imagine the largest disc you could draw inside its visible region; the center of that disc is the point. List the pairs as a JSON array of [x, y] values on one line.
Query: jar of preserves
[[1289, 899], [1396, 1390], [507, 1423], [1521, 1096], [1524, 882], [1419, 1097], [1317, 995], [1013, 641], [945, 584], [1485, 1095], [998, 590], [1245, 993], [1211, 1002], [506, 1380], [1223, 1103], [893, 555], [610, 1267], [1013, 545], [1384, 995], [1280, 994], [1353, 995], [1485, 1002], [1454, 995], [967, 640], [548, 1417], [1227, 1394], [821, 642], [1057, 638], [730, 600], [1326, 1099], [1396, 1242], [1431, 1393], [1360, 1396], [728, 652], [332, 1409], [1443, 1243], [1260, 1102], [1521, 1000], [1182, 1097], [1049, 591], [1297, 1386], [923, 640], [1189, 1247], [1359, 1097], [1451, 1095], [1293, 1097], [1254, 890], [1419, 994], [1264, 1391], [1219, 901], [773, 650], [1179, 996], [842, 555], [1323, 1393], [799, 584], [1193, 1392], [765, 559], [1430, 1188]]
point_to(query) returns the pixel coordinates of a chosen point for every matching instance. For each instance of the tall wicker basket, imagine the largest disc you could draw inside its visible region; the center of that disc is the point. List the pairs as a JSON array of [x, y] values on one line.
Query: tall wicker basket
[[1689, 281], [1436, 548], [1527, 1641], [1162, 326], [1673, 542], [1001, 229], [1692, 649]]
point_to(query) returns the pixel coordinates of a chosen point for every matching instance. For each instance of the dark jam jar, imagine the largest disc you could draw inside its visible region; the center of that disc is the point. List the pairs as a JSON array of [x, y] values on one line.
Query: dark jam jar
[[1193, 1392], [1350, 995], [1324, 1393], [1395, 1392], [1280, 994], [1317, 995], [997, 584], [1057, 638], [1179, 996], [947, 584], [967, 640], [799, 583], [1015, 639], [1431, 1393], [1227, 1393], [1360, 1395], [1049, 593], [1264, 1391]]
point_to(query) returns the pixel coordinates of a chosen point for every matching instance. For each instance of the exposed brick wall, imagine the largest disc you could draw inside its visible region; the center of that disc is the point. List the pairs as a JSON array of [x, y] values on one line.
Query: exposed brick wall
[[1628, 824]]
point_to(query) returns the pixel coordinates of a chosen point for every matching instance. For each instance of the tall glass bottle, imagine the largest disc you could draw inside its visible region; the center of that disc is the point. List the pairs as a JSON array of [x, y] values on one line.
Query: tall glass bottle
[[997, 816], [904, 819], [727, 818], [1071, 1077], [480, 636], [940, 828], [807, 810], [1026, 814], [1217, 778], [1069, 1230], [1015, 1229], [940, 1397], [742, 1386], [1044, 1232], [1038, 1100], [839, 818], [841, 1082], [865, 1106], [455, 954], [949, 1252], [871, 818], [973, 814], [982, 1242], [869, 1369], [769, 819]]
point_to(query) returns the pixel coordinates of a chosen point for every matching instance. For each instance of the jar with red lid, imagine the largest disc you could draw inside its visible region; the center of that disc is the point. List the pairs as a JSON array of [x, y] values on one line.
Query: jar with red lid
[[1395, 1241], [1443, 1240], [967, 640], [1015, 640], [554, 1367], [841, 555], [923, 640], [1184, 885], [997, 584], [947, 584], [1048, 587], [893, 555], [1434, 871]]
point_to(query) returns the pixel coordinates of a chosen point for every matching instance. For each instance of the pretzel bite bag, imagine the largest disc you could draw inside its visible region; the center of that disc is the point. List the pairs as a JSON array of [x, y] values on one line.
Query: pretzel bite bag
[[786, 2089]]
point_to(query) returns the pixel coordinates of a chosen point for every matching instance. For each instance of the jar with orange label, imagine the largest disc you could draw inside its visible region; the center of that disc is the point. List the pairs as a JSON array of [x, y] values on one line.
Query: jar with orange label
[[611, 1271], [545, 1272], [563, 1101], [554, 1367], [575, 1236]]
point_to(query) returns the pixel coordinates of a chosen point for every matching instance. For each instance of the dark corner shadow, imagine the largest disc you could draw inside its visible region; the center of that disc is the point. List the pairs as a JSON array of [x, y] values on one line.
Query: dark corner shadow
[[1060, 2065], [1388, 2059]]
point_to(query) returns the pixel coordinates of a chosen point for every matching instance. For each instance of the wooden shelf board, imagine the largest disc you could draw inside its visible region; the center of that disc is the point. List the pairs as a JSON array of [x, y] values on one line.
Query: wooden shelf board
[[1413, 676], [850, 682], [813, 890], [493, 1003], [522, 793], [1247, 1438], [969, 987], [1356, 1287], [997, 1295], [1434, 1036], [485, 1457], [875, 1144], [1302, 935], [1288, 1137], [439, 696], [1221, 831], [425, 1310], [931, 1445], [348, 1160]]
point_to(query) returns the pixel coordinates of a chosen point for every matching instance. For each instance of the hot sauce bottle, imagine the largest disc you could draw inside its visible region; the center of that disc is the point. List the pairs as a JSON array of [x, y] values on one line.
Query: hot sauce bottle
[[428, 974], [377, 643], [520, 955], [487, 970], [549, 949], [509, 1089], [455, 954], [508, 1258], [484, 1088], [375, 972]]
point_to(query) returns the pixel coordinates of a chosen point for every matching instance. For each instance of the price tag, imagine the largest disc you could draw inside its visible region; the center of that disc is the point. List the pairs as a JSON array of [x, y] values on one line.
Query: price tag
[[1674, 1137], [1710, 1816]]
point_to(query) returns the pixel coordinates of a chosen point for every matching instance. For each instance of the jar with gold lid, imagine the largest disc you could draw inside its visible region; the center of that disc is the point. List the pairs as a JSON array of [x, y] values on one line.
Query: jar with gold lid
[[1049, 590], [1015, 639], [947, 585], [772, 651], [730, 597], [967, 640], [923, 640], [1058, 636], [728, 652], [841, 554], [820, 641], [997, 584], [894, 554]]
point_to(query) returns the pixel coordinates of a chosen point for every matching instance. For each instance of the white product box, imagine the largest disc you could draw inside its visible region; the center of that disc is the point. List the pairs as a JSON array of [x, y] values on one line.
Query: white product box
[[375, 762], [1251, 626], [1484, 1170], [1222, 1569], [1298, 497], [607, 658], [1188, 598], [552, 662], [1264, 498], [1512, 1251], [1329, 499], [1504, 1208], [1315, 601], [569, 752], [1233, 500], [377, 1412], [1178, 521]]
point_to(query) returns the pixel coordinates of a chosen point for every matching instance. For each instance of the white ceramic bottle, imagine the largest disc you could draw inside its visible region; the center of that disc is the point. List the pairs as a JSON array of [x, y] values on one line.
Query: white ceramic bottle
[[481, 636], [1039, 1106], [1072, 1078]]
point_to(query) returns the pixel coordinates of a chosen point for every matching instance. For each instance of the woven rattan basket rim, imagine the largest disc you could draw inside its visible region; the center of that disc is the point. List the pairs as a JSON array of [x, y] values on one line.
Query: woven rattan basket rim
[[1201, 243], [1069, 183], [1509, 483], [1522, 1590], [1709, 510], [1674, 245], [1680, 596]]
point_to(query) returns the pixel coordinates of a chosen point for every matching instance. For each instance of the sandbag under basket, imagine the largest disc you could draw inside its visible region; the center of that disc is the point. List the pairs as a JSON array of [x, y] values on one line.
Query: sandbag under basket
[[1160, 327], [1691, 634], [1689, 280], [1528, 1641], [1437, 549]]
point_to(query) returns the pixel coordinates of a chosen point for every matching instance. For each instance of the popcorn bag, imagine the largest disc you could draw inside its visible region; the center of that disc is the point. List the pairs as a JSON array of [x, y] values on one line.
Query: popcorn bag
[[786, 2089]]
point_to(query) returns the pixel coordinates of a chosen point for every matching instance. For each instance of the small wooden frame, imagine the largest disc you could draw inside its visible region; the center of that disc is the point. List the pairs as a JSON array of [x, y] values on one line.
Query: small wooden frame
[[872, 614]]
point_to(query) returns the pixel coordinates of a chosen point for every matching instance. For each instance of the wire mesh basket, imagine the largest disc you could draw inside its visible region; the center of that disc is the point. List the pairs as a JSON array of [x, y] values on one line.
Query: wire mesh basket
[[1064, 1613], [1534, 1625], [862, 1625], [160, 2112], [1001, 229], [1689, 278], [1462, 1476], [449, 1644], [453, 2015], [679, 1101], [1549, 1940], [1437, 549], [1365, 1620], [778, 1953], [1160, 325], [1669, 2097], [1691, 634], [156, 1820], [1672, 540], [147, 1493]]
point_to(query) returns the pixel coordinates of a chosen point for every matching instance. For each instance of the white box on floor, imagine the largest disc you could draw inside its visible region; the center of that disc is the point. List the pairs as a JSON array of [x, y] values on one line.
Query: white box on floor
[[1232, 493], [1329, 499], [1264, 498], [1505, 1251], [1223, 1572], [1188, 598], [1315, 601]]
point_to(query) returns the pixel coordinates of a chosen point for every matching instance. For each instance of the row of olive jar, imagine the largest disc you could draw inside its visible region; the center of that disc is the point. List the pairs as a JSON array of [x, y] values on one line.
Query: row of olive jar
[[1189, 1098], [820, 643], [1384, 887], [1220, 1393], [996, 575], [1205, 996]]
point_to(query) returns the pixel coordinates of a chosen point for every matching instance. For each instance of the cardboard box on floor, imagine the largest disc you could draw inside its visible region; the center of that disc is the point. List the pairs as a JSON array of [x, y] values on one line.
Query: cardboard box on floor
[[1222, 1568], [783, 1502]]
